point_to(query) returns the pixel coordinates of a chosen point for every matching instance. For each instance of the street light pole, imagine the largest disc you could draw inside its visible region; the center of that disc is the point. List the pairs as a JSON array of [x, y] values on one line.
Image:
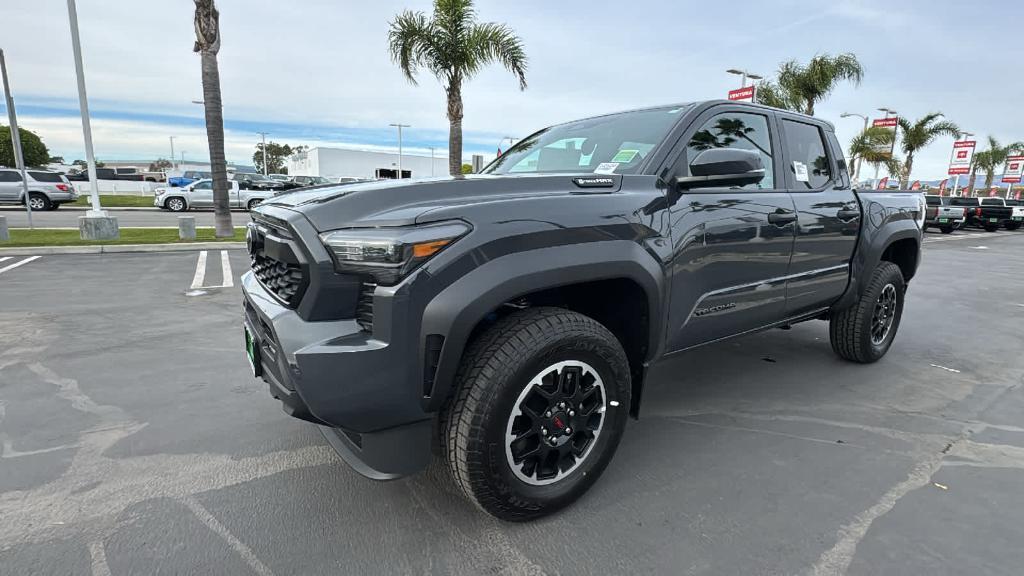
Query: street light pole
[[83, 104], [432, 161], [173, 166], [400, 126], [744, 75], [183, 156], [264, 135], [860, 159], [19, 159]]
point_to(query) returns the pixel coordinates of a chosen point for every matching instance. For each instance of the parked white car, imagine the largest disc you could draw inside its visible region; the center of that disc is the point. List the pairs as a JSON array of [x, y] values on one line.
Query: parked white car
[[199, 194]]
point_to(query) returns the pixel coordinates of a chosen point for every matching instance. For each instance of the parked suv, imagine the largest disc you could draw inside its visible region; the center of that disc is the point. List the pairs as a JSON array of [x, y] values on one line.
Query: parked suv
[[509, 319], [46, 190]]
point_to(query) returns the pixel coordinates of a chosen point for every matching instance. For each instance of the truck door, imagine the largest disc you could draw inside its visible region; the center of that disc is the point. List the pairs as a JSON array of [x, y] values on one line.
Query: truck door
[[201, 195], [731, 246], [828, 215]]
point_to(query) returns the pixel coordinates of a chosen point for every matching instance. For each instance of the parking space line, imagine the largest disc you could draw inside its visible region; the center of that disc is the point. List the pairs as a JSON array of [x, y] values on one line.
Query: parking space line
[[225, 266], [197, 280], [5, 258], [18, 263]]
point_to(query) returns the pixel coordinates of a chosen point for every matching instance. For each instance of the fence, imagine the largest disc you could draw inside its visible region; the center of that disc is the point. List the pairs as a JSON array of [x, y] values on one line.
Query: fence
[[125, 187]]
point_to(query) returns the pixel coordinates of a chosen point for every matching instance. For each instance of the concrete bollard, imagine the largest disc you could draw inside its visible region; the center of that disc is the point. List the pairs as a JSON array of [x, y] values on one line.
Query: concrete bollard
[[187, 227], [4, 234], [98, 228]]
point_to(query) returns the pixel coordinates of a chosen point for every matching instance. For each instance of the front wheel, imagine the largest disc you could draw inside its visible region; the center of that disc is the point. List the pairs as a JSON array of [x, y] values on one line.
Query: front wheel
[[863, 332], [541, 404], [176, 204], [253, 204]]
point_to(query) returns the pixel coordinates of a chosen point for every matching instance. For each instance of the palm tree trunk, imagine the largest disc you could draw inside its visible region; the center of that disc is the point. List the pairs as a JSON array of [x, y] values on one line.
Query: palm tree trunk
[[454, 91], [215, 136], [906, 171], [810, 108], [970, 182]]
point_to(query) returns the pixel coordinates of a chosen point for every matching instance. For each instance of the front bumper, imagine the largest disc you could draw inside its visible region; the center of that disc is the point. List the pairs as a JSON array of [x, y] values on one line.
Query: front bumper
[[360, 390]]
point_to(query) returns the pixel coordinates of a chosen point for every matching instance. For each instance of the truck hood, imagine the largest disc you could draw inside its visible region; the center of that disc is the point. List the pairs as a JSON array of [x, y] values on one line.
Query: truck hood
[[405, 202]]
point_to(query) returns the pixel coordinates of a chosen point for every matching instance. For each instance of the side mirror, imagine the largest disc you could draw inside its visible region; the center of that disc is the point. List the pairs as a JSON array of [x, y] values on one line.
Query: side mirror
[[723, 167]]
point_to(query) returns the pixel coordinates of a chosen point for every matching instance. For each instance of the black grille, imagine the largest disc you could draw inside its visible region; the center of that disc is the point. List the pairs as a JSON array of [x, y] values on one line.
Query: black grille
[[364, 309], [281, 278]]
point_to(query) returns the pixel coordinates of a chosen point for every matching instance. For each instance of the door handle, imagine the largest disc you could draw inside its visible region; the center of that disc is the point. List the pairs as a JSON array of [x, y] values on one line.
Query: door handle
[[847, 215], [782, 217]]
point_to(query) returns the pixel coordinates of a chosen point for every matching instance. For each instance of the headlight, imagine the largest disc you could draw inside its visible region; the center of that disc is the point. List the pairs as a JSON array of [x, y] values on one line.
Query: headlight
[[389, 254]]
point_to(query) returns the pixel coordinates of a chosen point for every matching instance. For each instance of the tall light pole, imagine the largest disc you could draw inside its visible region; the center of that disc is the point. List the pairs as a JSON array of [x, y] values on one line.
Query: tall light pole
[[432, 148], [183, 156], [19, 160], [860, 160], [264, 135], [173, 165], [744, 76], [83, 103], [400, 126]]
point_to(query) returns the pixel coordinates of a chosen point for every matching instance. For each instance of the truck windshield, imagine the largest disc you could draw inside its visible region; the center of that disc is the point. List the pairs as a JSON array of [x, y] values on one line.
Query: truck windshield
[[613, 144]]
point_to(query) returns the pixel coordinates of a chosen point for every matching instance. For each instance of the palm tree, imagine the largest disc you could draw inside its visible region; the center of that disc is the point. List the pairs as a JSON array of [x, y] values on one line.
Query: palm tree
[[920, 134], [799, 87], [207, 23], [454, 47], [992, 159], [874, 146]]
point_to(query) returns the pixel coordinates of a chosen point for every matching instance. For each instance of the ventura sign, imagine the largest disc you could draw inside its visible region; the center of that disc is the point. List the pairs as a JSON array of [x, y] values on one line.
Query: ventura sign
[[963, 153], [742, 94], [1014, 169]]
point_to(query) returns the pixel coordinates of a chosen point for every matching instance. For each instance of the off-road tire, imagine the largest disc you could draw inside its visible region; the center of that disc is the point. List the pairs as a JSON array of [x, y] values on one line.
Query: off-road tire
[[947, 229], [495, 369], [850, 329], [991, 228]]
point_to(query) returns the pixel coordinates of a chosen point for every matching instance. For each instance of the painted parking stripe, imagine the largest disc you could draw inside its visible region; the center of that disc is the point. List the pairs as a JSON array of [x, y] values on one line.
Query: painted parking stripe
[[197, 280], [5, 258], [225, 267], [18, 263]]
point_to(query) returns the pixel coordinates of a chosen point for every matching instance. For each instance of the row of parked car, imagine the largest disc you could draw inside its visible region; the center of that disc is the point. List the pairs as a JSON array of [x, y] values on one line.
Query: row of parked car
[[949, 213], [247, 190], [256, 181]]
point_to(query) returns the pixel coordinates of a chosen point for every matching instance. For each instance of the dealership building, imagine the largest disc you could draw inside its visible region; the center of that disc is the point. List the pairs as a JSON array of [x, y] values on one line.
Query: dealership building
[[336, 162]]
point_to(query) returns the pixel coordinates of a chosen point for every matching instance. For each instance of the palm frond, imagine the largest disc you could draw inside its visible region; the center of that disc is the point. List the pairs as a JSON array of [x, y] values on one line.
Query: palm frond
[[490, 42], [411, 43], [774, 95]]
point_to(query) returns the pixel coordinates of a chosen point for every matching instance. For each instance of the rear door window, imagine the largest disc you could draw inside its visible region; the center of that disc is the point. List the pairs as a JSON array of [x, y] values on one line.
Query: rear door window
[[10, 176], [808, 165], [991, 202], [933, 200], [46, 177], [964, 201]]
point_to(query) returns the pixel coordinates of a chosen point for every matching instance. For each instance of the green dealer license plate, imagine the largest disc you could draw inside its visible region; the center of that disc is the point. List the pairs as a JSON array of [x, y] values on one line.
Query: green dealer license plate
[[943, 220], [993, 219], [252, 352]]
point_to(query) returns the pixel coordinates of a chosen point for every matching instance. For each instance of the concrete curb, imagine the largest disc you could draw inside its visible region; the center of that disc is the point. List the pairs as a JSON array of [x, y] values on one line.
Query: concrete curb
[[119, 248]]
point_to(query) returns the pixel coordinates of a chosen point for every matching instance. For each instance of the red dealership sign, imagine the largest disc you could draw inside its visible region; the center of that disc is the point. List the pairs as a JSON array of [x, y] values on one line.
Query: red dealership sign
[[963, 153], [1014, 169], [745, 94]]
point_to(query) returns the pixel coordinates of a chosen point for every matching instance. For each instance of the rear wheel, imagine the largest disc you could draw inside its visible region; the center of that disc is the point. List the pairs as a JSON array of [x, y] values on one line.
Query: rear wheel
[[541, 404], [39, 202], [990, 228], [947, 229], [863, 332], [1012, 225]]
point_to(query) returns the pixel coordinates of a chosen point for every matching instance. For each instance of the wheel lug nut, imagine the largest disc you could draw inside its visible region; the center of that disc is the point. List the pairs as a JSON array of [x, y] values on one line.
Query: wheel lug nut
[[547, 414], [572, 412], [543, 431], [568, 430]]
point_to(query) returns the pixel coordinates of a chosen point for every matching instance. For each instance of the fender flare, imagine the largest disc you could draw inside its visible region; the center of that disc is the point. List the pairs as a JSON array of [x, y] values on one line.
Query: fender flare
[[455, 311], [869, 252]]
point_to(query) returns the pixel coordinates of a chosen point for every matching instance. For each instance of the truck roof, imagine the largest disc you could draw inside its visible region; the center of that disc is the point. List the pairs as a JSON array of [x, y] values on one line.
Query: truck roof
[[703, 104]]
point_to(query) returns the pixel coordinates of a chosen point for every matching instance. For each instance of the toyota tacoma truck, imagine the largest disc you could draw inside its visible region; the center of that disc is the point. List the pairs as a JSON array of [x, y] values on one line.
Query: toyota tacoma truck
[[507, 321], [941, 214]]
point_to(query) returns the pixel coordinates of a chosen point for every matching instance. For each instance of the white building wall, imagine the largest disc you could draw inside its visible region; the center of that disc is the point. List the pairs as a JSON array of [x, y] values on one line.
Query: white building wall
[[335, 162]]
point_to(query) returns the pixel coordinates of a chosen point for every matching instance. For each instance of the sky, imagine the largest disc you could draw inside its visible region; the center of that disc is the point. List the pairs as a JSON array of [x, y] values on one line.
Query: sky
[[317, 72]]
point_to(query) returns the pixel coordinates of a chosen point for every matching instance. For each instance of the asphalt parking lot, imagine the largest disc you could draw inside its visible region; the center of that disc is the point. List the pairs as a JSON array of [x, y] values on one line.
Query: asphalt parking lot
[[135, 442]]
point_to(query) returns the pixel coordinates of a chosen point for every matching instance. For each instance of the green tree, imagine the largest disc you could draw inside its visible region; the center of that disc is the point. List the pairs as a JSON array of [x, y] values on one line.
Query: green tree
[[33, 150], [466, 169], [873, 146], [56, 159], [921, 133], [453, 46], [992, 159], [207, 26], [799, 87], [160, 165], [276, 155]]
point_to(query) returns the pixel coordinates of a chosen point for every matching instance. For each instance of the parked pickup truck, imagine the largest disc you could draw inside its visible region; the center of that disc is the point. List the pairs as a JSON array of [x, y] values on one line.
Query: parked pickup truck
[[199, 194], [1016, 216], [942, 215], [979, 215], [517, 312]]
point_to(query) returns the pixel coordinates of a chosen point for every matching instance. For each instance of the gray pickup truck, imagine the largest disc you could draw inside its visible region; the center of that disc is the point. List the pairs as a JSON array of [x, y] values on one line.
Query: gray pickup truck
[[507, 321], [942, 215]]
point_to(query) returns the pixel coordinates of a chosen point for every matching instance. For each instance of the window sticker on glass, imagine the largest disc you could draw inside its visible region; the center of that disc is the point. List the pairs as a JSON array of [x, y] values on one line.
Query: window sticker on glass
[[606, 168], [800, 169], [625, 156]]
